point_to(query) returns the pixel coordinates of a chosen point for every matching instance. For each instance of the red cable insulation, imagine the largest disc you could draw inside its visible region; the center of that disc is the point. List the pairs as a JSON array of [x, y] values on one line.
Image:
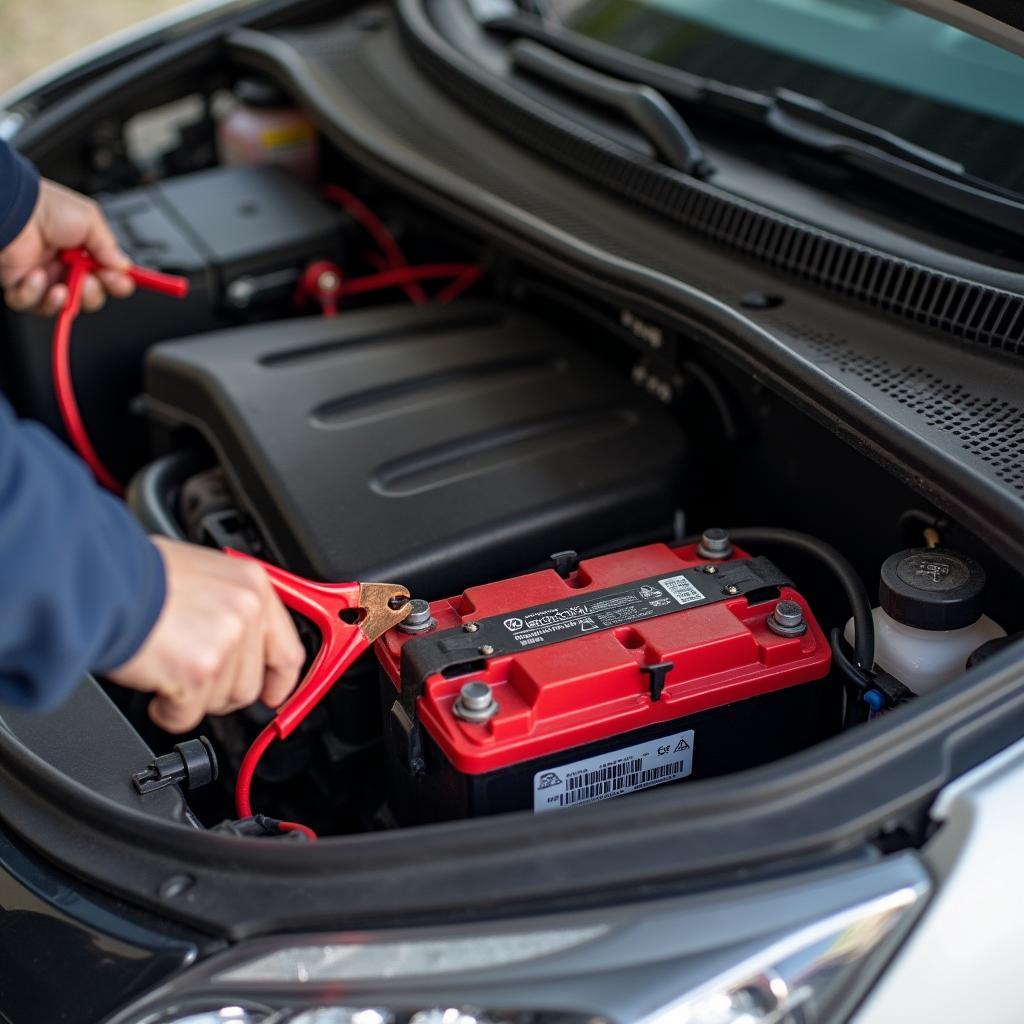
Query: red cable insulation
[[375, 228], [294, 826], [463, 276], [398, 276], [465, 280], [63, 385], [243, 786], [80, 264]]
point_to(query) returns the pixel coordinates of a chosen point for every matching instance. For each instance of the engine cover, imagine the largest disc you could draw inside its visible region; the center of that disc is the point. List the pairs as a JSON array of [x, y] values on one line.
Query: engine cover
[[642, 667], [431, 446]]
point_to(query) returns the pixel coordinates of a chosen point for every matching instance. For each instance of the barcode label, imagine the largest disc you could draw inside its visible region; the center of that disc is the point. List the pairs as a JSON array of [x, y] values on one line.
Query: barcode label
[[614, 774], [681, 589]]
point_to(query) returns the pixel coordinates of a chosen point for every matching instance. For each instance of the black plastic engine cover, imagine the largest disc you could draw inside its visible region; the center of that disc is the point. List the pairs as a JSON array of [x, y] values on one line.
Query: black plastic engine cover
[[436, 447]]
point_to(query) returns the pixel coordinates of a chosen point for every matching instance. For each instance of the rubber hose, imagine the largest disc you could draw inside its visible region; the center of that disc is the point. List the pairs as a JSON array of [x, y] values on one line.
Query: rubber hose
[[844, 572]]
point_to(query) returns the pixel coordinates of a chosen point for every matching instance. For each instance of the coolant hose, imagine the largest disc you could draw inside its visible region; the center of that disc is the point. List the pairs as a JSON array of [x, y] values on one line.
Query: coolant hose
[[840, 567]]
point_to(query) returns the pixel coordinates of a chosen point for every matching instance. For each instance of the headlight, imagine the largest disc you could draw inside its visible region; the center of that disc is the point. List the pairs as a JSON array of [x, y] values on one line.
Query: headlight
[[224, 1015], [798, 980], [351, 1015], [791, 951], [352, 961]]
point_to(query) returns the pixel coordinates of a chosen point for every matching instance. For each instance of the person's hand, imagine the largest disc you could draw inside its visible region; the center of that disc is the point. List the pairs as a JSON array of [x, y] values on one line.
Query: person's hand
[[30, 272], [222, 641]]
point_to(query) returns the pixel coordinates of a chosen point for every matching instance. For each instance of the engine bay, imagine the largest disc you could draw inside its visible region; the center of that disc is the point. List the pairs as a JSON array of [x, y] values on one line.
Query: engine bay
[[631, 563]]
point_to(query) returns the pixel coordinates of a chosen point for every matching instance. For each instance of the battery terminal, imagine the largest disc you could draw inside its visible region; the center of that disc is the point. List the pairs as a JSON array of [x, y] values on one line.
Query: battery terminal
[[475, 702]]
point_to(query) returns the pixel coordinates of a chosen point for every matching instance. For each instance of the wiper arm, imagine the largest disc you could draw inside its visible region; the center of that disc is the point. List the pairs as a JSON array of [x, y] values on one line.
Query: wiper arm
[[824, 128], [644, 106], [889, 158]]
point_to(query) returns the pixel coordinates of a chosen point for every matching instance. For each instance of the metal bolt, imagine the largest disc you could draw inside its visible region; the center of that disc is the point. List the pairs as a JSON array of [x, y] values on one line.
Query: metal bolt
[[787, 619], [475, 702], [471, 627], [487, 650], [419, 619], [327, 281], [476, 696], [241, 292], [710, 569], [731, 589], [715, 544]]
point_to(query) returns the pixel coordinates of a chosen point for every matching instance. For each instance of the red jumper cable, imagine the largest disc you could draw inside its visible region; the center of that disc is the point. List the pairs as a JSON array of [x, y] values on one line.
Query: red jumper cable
[[351, 617], [80, 264]]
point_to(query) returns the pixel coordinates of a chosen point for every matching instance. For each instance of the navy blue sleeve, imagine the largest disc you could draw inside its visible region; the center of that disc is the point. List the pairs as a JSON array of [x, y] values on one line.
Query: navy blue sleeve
[[19, 189], [81, 585]]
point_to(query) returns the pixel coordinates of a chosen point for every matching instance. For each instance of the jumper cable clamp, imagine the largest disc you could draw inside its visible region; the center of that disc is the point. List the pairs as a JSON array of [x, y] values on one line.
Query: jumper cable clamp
[[351, 617]]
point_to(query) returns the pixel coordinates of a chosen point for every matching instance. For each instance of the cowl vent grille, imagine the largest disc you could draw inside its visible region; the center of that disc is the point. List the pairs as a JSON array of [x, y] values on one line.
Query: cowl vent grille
[[987, 427]]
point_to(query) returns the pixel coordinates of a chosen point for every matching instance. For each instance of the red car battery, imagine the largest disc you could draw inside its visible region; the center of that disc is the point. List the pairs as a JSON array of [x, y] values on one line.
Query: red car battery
[[638, 668]]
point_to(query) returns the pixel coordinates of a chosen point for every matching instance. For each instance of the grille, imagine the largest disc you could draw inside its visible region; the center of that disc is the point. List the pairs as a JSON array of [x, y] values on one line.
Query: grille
[[986, 426]]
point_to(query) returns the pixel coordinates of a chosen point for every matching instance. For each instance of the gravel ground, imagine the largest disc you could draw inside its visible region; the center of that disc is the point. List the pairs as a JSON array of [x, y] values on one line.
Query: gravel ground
[[36, 33]]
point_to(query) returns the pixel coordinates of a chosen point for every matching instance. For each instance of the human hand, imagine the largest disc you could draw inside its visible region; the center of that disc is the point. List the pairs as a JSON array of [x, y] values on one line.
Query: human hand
[[30, 270], [222, 641]]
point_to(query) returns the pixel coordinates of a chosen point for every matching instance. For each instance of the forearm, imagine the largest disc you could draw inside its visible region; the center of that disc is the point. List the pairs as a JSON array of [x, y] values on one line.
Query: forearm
[[80, 584]]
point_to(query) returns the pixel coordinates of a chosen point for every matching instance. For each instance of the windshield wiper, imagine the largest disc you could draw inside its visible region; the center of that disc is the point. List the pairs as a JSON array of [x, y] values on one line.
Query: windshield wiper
[[892, 159], [824, 128], [864, 147], [644, 106]]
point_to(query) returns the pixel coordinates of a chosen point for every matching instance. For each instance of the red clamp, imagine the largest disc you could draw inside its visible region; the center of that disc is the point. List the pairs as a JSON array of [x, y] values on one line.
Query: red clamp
[[350, 617]]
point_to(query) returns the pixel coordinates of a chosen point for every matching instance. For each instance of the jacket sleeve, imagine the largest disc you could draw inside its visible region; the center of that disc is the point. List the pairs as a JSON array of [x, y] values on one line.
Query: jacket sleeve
[[19, 189], [81, 585]]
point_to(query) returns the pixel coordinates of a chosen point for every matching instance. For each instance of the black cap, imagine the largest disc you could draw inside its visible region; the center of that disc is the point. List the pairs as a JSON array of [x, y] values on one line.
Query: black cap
[[932, 589]]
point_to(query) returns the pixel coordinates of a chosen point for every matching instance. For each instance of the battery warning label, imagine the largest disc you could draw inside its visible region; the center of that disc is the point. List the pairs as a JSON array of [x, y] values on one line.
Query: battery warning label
[[617, 608], [615, 773]]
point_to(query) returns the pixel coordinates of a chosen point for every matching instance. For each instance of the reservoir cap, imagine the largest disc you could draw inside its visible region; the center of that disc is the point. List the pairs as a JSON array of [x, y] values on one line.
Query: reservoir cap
[[931, 588]]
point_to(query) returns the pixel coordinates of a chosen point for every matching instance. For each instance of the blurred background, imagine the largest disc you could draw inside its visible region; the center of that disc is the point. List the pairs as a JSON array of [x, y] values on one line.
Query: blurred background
[[36, 33]]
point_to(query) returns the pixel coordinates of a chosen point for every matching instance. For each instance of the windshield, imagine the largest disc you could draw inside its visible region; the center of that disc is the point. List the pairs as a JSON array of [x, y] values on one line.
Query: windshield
[[895, 68]]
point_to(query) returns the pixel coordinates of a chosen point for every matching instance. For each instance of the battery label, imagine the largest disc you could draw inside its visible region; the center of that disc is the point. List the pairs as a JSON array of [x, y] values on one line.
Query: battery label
[[615, 773], [574, 618], [682, 590]]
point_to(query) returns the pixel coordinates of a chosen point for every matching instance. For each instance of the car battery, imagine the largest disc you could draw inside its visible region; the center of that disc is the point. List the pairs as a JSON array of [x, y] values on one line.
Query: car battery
[[562, 688]]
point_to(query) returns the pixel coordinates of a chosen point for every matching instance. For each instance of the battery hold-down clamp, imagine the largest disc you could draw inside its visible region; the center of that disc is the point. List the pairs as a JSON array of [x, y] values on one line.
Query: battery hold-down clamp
[[351, 617]]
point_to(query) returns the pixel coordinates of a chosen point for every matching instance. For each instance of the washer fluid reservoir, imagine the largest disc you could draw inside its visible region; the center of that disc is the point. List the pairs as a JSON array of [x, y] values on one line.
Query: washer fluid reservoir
[[930, 618]]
